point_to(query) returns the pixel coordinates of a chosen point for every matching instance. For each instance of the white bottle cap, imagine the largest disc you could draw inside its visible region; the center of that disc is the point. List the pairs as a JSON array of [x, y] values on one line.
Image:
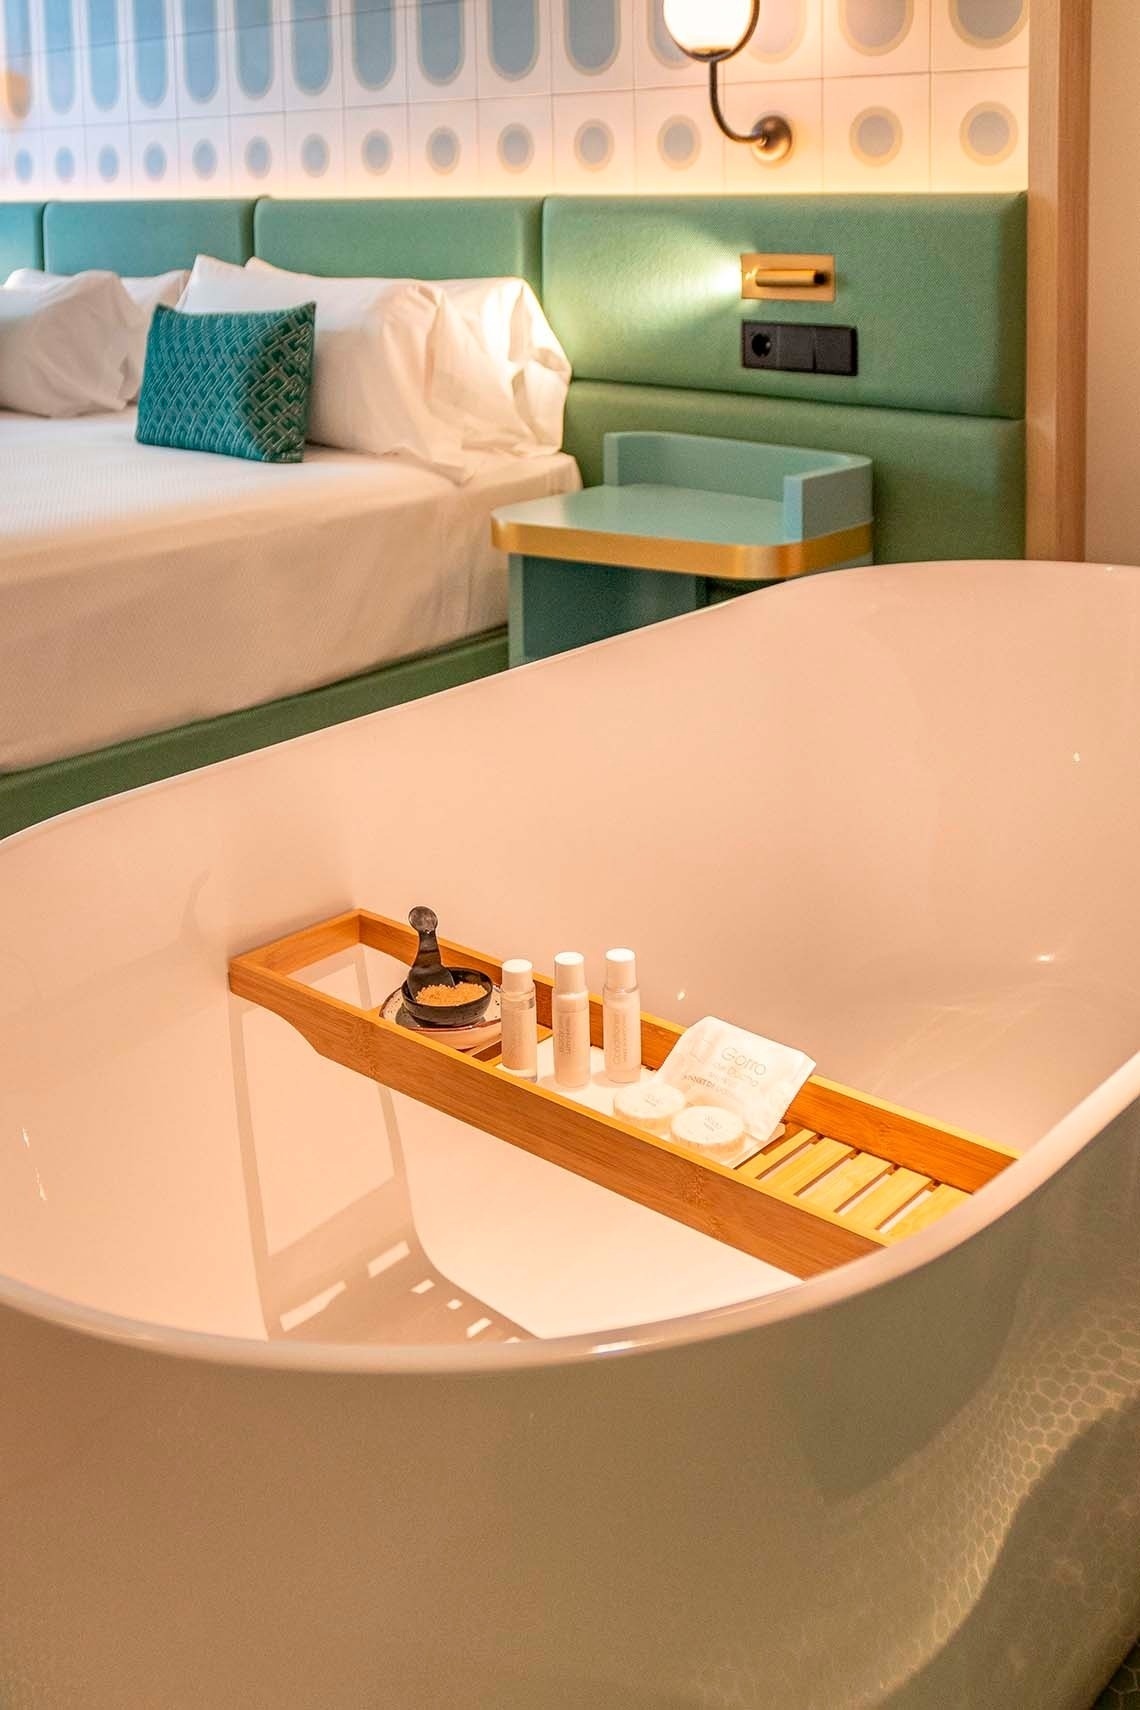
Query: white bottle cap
[[518, 975], [621, 970], [569, 971], [712, 1132]]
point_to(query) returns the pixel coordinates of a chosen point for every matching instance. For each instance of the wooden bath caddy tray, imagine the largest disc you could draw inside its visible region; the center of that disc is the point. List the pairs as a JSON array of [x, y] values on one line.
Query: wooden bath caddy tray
[[850, 1174]]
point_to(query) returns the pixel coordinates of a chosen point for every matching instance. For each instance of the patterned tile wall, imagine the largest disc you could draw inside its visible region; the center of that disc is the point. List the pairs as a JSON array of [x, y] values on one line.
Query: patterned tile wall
[[461, 97]]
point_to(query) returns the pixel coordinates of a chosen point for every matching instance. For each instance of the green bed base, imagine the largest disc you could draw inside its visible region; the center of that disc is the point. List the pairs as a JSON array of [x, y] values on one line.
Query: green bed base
[[40, 792]]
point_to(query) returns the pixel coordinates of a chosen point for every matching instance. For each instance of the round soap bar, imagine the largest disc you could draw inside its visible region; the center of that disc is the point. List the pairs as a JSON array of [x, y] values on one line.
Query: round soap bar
[[650, 1106], [714, 1133]]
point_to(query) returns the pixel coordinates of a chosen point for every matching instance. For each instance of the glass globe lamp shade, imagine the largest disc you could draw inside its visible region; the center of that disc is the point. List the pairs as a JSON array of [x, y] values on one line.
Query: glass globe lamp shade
[[710, 29]]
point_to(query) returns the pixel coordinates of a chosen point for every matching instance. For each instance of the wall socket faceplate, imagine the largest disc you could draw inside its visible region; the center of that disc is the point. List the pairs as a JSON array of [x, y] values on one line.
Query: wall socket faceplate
[[797, 349]]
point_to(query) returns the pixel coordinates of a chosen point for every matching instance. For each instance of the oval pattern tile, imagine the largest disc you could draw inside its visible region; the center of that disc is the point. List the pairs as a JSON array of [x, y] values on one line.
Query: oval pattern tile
[[373, 42], [312, 45], [150, 51], [988, 23], [256, 50], [440, 39], [876, 26], [59, 35], [18, 47], [200, 24], [104, 76], [661, 42], [513, 36], [593, 34], [780, 29]]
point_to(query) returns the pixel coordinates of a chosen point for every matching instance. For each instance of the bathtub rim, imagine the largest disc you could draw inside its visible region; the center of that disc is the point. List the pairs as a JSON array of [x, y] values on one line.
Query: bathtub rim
[[1029, 1173]]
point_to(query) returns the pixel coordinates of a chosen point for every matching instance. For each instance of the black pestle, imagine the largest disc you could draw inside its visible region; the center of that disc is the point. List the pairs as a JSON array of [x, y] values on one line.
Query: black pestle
[[428, 968]]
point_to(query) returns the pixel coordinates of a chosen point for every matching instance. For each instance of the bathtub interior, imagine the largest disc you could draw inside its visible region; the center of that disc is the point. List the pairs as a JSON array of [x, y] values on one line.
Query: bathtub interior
[[879, 816]]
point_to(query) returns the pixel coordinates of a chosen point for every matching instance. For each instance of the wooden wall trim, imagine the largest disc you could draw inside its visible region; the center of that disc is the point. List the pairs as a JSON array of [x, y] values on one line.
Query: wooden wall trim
[[1059, 81]]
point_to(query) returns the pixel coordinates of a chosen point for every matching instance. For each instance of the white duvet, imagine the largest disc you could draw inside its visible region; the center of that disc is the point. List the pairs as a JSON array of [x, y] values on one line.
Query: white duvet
[[142, 588]]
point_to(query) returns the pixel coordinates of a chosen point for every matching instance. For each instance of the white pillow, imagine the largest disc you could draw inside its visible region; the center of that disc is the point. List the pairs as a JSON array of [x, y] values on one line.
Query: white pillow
[[499, 375], [146, 292], [371, 366], [68, 347]]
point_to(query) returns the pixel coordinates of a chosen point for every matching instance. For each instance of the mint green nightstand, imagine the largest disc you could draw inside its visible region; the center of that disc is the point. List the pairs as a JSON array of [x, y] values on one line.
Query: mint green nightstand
[[680, 522]]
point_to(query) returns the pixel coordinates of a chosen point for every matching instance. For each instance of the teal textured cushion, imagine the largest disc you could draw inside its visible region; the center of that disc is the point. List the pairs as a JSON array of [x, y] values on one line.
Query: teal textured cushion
[[235, 384]]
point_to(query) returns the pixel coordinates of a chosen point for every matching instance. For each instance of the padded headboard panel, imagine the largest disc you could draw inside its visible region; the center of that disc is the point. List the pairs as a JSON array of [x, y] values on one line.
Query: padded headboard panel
[[439, 239], [21, 236], [647, 290], [145, 237]]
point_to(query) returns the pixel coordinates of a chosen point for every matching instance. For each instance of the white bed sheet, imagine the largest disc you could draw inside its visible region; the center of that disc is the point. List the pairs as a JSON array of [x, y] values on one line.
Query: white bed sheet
[[142, 588]]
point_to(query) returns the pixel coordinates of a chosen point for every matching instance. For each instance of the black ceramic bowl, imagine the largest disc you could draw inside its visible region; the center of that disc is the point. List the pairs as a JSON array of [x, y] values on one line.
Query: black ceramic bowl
[[452, 1014]]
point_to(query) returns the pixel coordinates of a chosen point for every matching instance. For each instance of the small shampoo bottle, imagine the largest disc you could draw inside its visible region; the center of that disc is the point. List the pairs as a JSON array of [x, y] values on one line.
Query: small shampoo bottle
[[621, 1017], [519, 1056], [570, 1020]]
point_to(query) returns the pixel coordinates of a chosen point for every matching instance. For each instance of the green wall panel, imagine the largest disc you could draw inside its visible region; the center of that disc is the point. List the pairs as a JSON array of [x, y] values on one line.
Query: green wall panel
[[145, 237], [945, 486], [21, 236], [647, 290], [433, 238]]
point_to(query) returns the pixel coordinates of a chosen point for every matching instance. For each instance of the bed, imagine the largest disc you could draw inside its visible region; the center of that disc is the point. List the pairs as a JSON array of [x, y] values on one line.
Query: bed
[[143, 589], [160, 610], [923, 278]]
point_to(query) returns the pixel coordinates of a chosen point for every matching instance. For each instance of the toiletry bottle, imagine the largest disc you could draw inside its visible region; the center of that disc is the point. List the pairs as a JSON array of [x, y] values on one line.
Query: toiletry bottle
[[570, 1020], [520, 1021], [621, 1017]]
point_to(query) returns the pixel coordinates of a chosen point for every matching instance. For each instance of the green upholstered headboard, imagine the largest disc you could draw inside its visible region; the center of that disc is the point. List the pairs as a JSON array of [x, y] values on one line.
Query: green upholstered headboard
[[438, 239], [934, 285], [645, 294], [145, 237], [21, 236]]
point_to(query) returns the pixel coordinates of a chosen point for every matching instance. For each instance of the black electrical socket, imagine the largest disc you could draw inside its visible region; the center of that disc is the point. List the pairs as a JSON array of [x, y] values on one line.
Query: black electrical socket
[[798, 349]]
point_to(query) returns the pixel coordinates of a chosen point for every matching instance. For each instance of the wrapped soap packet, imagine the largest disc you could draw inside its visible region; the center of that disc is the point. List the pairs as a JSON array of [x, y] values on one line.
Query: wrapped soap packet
[[716, 1063]]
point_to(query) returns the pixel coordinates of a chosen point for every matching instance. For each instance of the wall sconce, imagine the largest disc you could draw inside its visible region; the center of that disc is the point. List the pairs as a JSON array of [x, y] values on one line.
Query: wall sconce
[[715, 30]]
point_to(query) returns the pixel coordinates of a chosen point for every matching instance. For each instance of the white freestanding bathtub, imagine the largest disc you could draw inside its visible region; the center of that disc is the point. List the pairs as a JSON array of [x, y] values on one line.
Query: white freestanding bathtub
[[315, 1400]]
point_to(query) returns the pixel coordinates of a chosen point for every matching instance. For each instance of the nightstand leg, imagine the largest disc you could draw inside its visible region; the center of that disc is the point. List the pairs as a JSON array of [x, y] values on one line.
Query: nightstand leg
[[555, 605]]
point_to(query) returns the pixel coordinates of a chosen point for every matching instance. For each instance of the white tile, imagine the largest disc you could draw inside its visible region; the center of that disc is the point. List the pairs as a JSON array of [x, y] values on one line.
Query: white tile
[[516, 146], [978, 130], [257, 154], [219, 101], [358, 94], [594, 148], [876, 133], [464, 85], [314, 154], [109, 169], [801, 171], [875, 38], [678, 146], [38, 112], [788, 42], [979, 35], [64, 157], [376, 151], [443, 149], [605, 30], [155, 164], [204, 157], [246, 48], [530, 79], [312, 43]]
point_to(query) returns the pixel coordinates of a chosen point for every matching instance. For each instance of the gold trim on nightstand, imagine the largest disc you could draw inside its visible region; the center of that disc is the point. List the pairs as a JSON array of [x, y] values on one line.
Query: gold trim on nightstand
[[727, 561]]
